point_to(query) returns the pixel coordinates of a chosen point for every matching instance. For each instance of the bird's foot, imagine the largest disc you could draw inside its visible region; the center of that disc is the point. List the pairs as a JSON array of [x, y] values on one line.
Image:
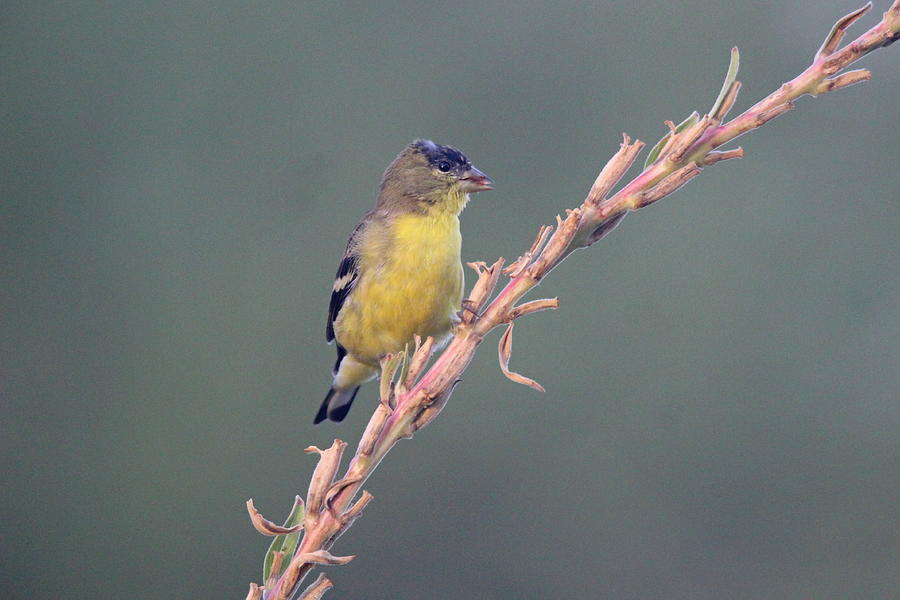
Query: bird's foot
[[467, 314]]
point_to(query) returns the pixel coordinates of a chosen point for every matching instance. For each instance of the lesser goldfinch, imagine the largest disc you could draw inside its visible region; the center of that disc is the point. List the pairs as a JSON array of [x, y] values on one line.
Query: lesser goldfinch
[[401, 274]]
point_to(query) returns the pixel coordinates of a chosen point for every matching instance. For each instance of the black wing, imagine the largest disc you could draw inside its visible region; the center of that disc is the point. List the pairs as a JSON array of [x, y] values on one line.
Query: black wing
[[343, 283]]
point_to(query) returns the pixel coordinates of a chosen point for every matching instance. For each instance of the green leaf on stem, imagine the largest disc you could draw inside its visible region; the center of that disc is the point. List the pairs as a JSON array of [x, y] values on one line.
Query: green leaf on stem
[[733, 66], [654, 152], [285, 543]]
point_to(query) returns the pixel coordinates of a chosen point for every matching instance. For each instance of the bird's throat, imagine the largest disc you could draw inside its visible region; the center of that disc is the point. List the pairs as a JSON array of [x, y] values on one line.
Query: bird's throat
[[449, 203]]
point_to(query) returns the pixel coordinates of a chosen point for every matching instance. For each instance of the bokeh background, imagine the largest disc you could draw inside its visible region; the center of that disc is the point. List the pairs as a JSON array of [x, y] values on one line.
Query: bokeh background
[[178, 181]]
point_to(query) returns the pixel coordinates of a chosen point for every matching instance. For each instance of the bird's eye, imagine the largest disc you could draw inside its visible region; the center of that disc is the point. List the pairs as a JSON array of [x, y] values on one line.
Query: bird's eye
[[444, 166]]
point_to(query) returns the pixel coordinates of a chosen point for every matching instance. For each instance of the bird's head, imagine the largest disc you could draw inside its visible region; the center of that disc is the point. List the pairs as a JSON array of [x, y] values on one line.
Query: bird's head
[[433, 176]]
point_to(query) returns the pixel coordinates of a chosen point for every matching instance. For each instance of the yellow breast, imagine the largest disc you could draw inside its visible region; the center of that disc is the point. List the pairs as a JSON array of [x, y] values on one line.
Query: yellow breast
[[411, 282]]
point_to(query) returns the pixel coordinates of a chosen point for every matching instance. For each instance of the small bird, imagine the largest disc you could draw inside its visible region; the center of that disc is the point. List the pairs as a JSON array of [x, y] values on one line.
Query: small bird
[[401, 274]]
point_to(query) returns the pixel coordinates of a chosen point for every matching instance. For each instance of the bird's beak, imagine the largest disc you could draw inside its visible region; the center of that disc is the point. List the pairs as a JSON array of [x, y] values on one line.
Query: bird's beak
[[474, 180]]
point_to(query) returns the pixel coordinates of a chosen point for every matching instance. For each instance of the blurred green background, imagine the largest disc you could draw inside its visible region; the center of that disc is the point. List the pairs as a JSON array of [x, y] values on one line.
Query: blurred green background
[[178, 181]]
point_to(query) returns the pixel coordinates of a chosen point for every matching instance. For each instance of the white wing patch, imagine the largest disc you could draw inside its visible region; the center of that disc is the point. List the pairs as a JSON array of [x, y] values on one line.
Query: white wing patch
[[342, 282]]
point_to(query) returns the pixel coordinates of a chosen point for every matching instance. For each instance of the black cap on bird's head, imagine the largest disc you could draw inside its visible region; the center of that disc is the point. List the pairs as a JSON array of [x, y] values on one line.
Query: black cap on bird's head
[[449, 164]]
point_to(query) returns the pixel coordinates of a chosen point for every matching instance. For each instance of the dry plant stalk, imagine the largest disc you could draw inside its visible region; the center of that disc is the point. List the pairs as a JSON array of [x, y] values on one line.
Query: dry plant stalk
[[410, 401]]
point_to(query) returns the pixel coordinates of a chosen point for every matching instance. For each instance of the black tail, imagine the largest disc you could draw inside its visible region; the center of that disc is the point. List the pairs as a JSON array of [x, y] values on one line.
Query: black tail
[[336, 405]]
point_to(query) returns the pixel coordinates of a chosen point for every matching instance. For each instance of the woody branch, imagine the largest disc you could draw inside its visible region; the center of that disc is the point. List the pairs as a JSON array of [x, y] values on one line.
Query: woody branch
[[410, 399]]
